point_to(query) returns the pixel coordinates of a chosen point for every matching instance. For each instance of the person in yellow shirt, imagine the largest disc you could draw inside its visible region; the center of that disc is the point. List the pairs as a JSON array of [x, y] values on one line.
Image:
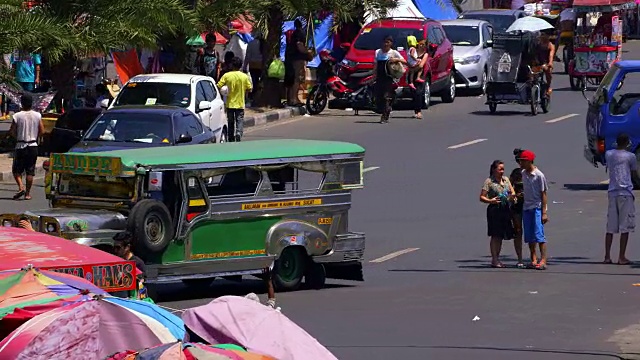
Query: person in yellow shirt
[[239, 85]]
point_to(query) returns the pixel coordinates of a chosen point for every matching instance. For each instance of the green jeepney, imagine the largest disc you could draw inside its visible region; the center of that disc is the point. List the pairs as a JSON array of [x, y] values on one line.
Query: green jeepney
[[205, 211]]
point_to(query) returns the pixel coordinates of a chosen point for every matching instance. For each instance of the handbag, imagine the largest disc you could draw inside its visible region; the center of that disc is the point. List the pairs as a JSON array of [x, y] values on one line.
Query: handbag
[[276, 70]]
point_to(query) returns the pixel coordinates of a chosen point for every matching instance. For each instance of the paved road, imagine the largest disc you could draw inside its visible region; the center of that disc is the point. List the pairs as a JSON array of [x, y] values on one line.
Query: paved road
[[423, 195]]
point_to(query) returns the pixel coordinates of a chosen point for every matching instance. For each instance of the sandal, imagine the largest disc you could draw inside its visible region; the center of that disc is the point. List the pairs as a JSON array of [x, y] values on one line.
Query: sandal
[[497, 266], [19, 194], [27, 197], [532, 265], [521, 265], [541, 267]]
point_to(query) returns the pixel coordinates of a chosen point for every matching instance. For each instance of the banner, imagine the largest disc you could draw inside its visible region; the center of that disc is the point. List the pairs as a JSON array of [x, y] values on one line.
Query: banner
[[127, 64], [109, 277]]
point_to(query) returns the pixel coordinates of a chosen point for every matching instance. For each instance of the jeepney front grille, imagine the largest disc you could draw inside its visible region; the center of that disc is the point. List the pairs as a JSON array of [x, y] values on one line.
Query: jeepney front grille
[[353, 255]]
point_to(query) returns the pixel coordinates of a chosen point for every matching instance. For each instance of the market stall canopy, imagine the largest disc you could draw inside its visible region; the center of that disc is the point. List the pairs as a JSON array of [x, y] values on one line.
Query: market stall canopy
[[180, 350], [254, 326], [19, 248], [92, 330], [28, 292]]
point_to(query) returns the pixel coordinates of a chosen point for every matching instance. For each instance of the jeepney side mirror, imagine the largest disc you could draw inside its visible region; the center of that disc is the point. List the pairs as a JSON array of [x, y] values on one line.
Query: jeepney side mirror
[[184, 138]]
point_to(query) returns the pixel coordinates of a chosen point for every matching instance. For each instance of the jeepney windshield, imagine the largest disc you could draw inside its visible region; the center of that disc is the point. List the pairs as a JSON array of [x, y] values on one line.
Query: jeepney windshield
[[96, 186]]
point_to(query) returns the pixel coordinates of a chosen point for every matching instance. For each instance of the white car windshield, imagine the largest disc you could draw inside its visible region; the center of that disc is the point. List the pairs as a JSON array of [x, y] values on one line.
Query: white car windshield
[[463, 35], [155, 93]]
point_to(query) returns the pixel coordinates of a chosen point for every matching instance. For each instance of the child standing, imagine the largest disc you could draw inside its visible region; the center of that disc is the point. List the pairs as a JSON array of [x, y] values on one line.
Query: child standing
[[534, 213], [414, 74], [239, 85]]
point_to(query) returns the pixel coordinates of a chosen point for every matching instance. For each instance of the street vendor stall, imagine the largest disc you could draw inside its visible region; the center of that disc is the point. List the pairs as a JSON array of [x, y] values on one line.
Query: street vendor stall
[[19, 248], [595, 49]]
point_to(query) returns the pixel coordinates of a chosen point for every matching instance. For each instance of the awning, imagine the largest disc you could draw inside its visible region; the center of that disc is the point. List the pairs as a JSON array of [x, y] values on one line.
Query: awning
[[602, 5], [19, 248]]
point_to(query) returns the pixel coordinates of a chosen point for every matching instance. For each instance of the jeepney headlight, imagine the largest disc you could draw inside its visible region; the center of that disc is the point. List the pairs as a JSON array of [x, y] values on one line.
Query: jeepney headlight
[[51, 227], [7, 223]]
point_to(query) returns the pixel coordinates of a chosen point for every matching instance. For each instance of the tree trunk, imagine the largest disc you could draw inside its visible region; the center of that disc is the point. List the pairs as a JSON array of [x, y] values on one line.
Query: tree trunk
[[271, 89], [63, 80]]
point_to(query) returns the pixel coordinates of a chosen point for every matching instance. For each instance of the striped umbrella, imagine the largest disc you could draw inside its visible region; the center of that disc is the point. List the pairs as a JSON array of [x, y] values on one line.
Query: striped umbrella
[[92, 330], [29, 292], [190, 351]]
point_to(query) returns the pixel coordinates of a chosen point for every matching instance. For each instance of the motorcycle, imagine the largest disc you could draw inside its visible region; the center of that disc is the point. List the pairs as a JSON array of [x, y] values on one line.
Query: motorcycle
[[357, 95]]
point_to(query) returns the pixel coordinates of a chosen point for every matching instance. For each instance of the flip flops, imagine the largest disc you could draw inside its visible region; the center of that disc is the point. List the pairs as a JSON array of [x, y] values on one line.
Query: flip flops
[[541, 267], [19, 194]]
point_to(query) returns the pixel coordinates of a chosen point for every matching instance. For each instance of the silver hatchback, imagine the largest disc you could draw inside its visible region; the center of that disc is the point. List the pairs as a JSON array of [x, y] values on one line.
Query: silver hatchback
[[471, 40]]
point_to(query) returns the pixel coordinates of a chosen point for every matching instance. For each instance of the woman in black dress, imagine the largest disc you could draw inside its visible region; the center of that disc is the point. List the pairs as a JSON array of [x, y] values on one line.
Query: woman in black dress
[[499, 194]]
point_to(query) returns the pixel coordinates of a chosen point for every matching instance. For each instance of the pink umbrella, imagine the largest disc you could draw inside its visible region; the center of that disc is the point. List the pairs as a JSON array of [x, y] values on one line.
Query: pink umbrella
[[261, 329]]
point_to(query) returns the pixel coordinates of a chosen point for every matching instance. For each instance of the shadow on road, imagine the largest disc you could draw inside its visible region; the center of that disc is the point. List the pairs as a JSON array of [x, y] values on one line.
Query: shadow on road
[[586, 187], [509, 269], [489, 348], [500, 113], [180, 292]]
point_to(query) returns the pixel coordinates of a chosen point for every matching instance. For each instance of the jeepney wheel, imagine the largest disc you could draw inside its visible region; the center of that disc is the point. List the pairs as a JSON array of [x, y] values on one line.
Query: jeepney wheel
[[316, 275], [289, 269], [150, 223], [493, 107]]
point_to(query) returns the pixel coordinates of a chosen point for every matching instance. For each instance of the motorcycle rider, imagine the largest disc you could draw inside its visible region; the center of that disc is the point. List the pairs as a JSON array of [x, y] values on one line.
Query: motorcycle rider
[[384, 82]]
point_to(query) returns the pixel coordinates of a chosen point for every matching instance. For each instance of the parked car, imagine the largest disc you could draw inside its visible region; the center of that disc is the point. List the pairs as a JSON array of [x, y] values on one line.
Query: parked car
[[613, 110], [69, 128], [472, 42], [199, 94], [438, 73], [143, 126], [500, 19]]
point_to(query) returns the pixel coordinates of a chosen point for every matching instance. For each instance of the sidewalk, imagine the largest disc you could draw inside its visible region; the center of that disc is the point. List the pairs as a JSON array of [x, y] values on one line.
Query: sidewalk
[[260, 116], [5, 167]]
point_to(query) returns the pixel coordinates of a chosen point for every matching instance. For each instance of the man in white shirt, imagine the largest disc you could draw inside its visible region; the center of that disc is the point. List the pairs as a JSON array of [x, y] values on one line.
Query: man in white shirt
[[26, 128]]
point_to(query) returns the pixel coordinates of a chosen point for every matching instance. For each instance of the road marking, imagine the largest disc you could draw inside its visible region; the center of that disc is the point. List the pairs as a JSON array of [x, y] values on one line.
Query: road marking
[[569, 116], [370, 168], [467, 143], [604, 182], [393, 255]]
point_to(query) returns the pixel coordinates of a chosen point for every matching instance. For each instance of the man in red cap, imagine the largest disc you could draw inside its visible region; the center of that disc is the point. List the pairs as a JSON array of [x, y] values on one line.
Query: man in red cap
[[534, 213]]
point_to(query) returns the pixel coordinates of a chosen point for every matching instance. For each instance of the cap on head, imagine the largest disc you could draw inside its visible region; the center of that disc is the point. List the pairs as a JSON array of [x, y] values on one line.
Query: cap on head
[[527, 155]]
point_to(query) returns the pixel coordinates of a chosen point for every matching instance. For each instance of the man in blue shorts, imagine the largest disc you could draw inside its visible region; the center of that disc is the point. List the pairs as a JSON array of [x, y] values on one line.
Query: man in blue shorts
[[534, 214]]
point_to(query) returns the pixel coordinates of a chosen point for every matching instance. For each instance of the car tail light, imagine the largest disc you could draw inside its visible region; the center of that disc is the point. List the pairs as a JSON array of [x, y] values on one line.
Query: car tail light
[[601, 148], [45, 165]]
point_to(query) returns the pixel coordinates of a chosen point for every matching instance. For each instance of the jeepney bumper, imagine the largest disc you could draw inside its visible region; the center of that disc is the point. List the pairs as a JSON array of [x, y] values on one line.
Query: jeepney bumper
[[86, 227], [345, 259]]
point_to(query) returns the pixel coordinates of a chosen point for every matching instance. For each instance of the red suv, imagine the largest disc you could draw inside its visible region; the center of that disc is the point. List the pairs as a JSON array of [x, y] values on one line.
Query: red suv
[[439, 69]]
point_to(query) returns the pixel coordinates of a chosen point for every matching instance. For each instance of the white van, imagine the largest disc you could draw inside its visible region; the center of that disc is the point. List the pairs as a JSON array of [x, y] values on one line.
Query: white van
[[194, 92]]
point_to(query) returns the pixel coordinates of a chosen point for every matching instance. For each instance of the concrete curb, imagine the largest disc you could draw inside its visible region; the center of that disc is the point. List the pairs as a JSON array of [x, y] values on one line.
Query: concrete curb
[[7, 175], [273, 116], [629, 356]]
